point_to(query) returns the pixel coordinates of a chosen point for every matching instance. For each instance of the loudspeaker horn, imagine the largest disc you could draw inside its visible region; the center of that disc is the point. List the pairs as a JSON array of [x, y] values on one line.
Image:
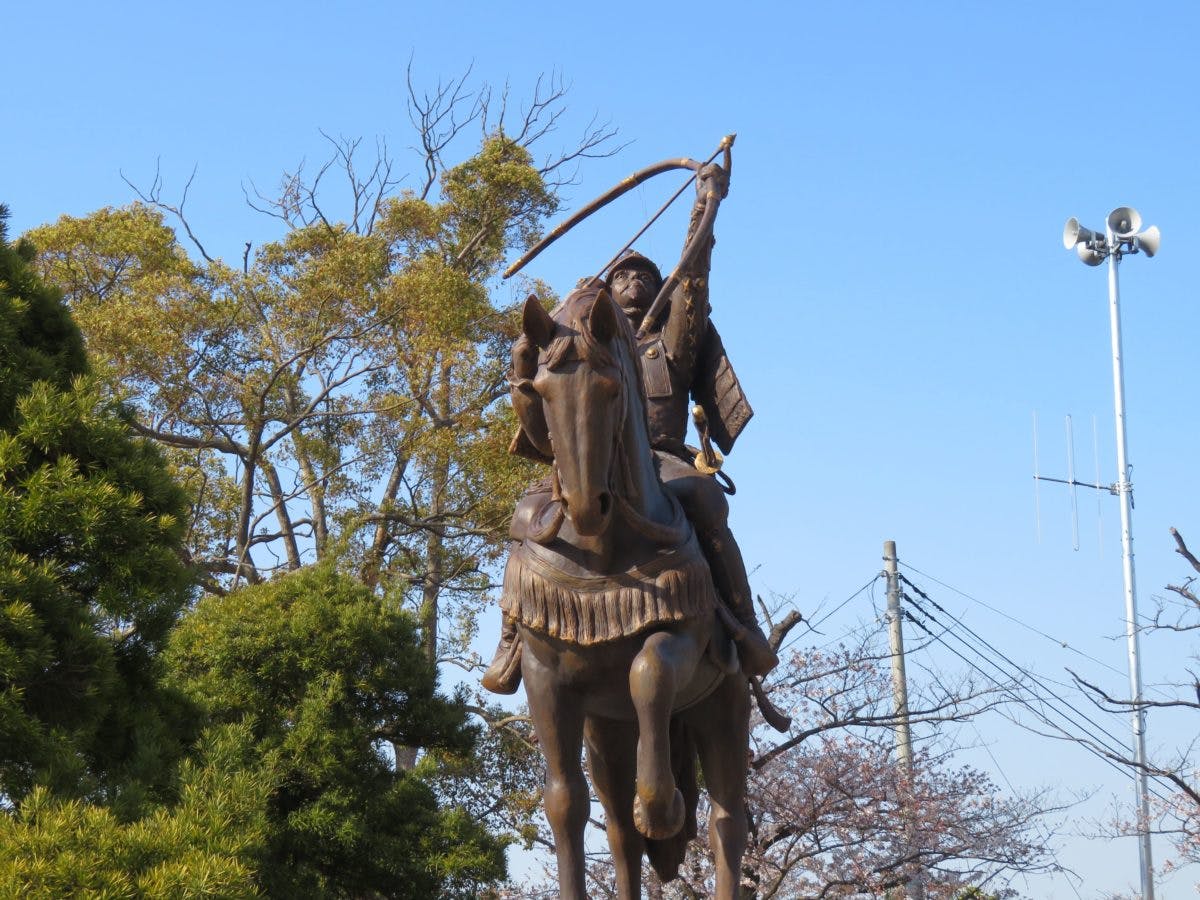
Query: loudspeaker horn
[[1124, 221], [1074, 233], [1088, 256], [1148, 240]]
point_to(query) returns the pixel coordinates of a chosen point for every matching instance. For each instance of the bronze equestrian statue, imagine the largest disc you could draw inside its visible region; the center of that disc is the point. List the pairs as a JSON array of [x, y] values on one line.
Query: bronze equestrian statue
[[624, 585]]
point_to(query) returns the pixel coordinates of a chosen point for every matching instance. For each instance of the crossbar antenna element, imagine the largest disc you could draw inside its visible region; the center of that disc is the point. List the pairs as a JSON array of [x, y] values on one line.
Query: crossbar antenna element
[[1071, 482]]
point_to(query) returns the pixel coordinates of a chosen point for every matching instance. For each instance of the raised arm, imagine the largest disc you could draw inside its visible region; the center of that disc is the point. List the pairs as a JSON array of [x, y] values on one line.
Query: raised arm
[[688, 307]]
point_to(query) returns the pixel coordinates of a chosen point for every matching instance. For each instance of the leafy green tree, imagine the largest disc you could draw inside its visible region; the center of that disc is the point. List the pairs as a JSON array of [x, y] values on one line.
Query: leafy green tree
[[338, 391], [324, 675], [91, 578]]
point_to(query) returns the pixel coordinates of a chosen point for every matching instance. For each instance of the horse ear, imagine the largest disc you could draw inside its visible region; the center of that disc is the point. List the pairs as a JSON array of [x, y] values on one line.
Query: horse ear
[[603, 320], [536, 322]]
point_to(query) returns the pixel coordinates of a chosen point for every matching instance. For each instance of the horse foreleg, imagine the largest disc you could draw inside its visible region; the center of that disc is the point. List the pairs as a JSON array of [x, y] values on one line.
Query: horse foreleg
[[611, 747], [558, 720], [722, 728], [662, 666]]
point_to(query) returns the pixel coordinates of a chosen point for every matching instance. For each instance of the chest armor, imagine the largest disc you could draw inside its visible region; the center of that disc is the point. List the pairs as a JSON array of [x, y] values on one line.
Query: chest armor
[[666, 392]]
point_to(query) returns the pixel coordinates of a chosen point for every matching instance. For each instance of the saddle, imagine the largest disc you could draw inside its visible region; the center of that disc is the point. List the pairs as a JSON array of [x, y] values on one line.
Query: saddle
[[590, 609]]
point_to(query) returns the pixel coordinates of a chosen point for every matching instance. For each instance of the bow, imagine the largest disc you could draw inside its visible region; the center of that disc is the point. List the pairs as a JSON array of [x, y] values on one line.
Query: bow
[[712, 201]]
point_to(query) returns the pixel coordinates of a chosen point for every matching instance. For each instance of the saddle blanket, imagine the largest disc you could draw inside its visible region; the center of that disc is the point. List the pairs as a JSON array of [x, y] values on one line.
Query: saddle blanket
[[591, 610]]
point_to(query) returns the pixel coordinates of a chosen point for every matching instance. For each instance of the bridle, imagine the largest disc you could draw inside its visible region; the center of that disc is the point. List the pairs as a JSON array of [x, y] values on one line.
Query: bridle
[[672, 533]]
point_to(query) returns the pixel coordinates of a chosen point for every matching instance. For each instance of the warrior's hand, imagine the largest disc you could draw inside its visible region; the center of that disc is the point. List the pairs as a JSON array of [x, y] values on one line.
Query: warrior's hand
[[712, 177]]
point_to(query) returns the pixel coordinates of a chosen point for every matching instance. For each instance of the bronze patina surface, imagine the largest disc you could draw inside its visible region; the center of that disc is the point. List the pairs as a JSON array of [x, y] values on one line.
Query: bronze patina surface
[[625, 592]]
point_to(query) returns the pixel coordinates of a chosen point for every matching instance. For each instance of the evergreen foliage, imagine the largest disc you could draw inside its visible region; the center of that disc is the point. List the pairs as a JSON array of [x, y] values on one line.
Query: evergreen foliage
[[324, 674], [205, 845], [91, 579]]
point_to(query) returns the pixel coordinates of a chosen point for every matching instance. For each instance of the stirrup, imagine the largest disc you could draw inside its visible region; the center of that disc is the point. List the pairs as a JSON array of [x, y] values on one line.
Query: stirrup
[[503, 675]]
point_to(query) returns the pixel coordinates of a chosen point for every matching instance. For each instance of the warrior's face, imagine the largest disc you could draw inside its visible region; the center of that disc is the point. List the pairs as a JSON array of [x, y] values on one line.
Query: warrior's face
[[634, 290]]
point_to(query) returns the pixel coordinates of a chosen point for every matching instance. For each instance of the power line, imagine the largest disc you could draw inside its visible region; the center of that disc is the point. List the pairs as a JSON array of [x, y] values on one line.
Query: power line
[[1021, 669], [1037, 679], [1023, 702], [1064, 644], [812, 626], [1016, 680], [1061, 643], [1089, 743], [836, 609]]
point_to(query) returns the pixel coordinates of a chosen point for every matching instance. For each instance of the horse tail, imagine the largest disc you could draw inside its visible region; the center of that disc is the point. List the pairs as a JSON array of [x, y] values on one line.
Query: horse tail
[[666, 856]]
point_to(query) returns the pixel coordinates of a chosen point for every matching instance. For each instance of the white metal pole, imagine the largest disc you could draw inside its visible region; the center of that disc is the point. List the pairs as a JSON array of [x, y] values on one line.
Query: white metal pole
[[1125, 492]]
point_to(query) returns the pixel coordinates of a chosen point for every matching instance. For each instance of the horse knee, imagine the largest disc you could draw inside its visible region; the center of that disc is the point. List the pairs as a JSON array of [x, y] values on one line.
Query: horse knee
[[652, 672], [566, 796], [650, 676]]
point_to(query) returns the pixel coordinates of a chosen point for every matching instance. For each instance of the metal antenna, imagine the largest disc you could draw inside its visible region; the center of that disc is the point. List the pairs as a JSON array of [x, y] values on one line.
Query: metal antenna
[[1099, 499], [1037, 492], [1071, 483]]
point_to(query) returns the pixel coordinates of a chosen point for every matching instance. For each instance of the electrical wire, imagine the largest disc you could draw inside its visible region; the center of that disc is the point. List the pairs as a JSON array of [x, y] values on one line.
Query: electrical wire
[[836, 609], [1037, 679], [1064, 644], [1088, 742], [1083, 742], [812, 626], [1021, 672]]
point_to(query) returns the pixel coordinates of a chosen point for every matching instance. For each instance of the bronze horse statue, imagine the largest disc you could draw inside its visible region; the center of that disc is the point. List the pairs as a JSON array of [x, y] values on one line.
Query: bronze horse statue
[[623, 650]]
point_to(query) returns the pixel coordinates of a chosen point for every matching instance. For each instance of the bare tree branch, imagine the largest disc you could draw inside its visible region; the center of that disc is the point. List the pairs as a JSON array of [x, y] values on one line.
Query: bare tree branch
[[153, 197]]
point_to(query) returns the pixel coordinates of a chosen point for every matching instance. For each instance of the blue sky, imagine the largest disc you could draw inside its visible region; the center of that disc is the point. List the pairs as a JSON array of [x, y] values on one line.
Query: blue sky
[[889, 277]]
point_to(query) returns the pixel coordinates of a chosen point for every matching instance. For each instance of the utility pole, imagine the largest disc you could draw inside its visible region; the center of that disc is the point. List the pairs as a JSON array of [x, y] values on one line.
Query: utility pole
[[915, 888]]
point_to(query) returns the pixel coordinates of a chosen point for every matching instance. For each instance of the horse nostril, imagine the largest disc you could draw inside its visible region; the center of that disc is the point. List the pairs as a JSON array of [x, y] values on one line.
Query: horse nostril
[[605, 503]]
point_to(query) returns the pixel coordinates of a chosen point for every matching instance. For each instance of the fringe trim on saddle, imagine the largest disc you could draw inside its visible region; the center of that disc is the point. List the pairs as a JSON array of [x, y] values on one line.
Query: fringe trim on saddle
[[591, 610]]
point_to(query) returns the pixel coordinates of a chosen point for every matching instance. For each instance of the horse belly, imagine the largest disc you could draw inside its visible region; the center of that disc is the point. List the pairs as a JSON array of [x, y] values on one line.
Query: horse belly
[[597, 673]]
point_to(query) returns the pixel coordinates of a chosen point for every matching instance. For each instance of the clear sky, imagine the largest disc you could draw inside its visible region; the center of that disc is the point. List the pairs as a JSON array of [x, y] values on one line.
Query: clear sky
[[889, 276]]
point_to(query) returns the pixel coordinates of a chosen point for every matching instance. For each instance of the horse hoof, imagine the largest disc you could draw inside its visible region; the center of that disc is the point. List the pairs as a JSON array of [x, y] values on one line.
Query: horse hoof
[[659, 830]]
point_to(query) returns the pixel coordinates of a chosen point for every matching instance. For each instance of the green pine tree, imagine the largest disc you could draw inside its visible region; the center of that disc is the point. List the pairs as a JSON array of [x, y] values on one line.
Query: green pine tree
[[326, 676], [91, 579]]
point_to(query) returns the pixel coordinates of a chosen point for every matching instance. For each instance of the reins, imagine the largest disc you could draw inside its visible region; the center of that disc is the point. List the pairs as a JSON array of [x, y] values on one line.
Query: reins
[[617, 478]]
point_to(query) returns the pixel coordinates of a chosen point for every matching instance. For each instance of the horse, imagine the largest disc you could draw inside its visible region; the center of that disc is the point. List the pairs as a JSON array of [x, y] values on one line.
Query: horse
[[622, 649]]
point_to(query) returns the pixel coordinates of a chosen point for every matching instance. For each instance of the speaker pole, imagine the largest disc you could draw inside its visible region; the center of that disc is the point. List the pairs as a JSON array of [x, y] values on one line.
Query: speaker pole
[[1121, 237]]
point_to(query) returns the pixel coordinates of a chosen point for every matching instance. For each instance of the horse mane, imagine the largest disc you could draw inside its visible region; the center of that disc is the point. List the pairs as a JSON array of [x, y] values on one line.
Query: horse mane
[[673, 582], [573, 340]]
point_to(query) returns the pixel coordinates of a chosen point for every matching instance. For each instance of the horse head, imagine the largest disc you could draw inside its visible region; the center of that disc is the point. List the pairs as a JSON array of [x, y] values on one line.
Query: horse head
[[583, 389]]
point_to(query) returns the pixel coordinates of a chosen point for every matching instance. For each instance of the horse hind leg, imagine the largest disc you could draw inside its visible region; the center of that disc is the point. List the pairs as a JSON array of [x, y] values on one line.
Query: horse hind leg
[[611, 749], [721, 726], [662, 666]]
